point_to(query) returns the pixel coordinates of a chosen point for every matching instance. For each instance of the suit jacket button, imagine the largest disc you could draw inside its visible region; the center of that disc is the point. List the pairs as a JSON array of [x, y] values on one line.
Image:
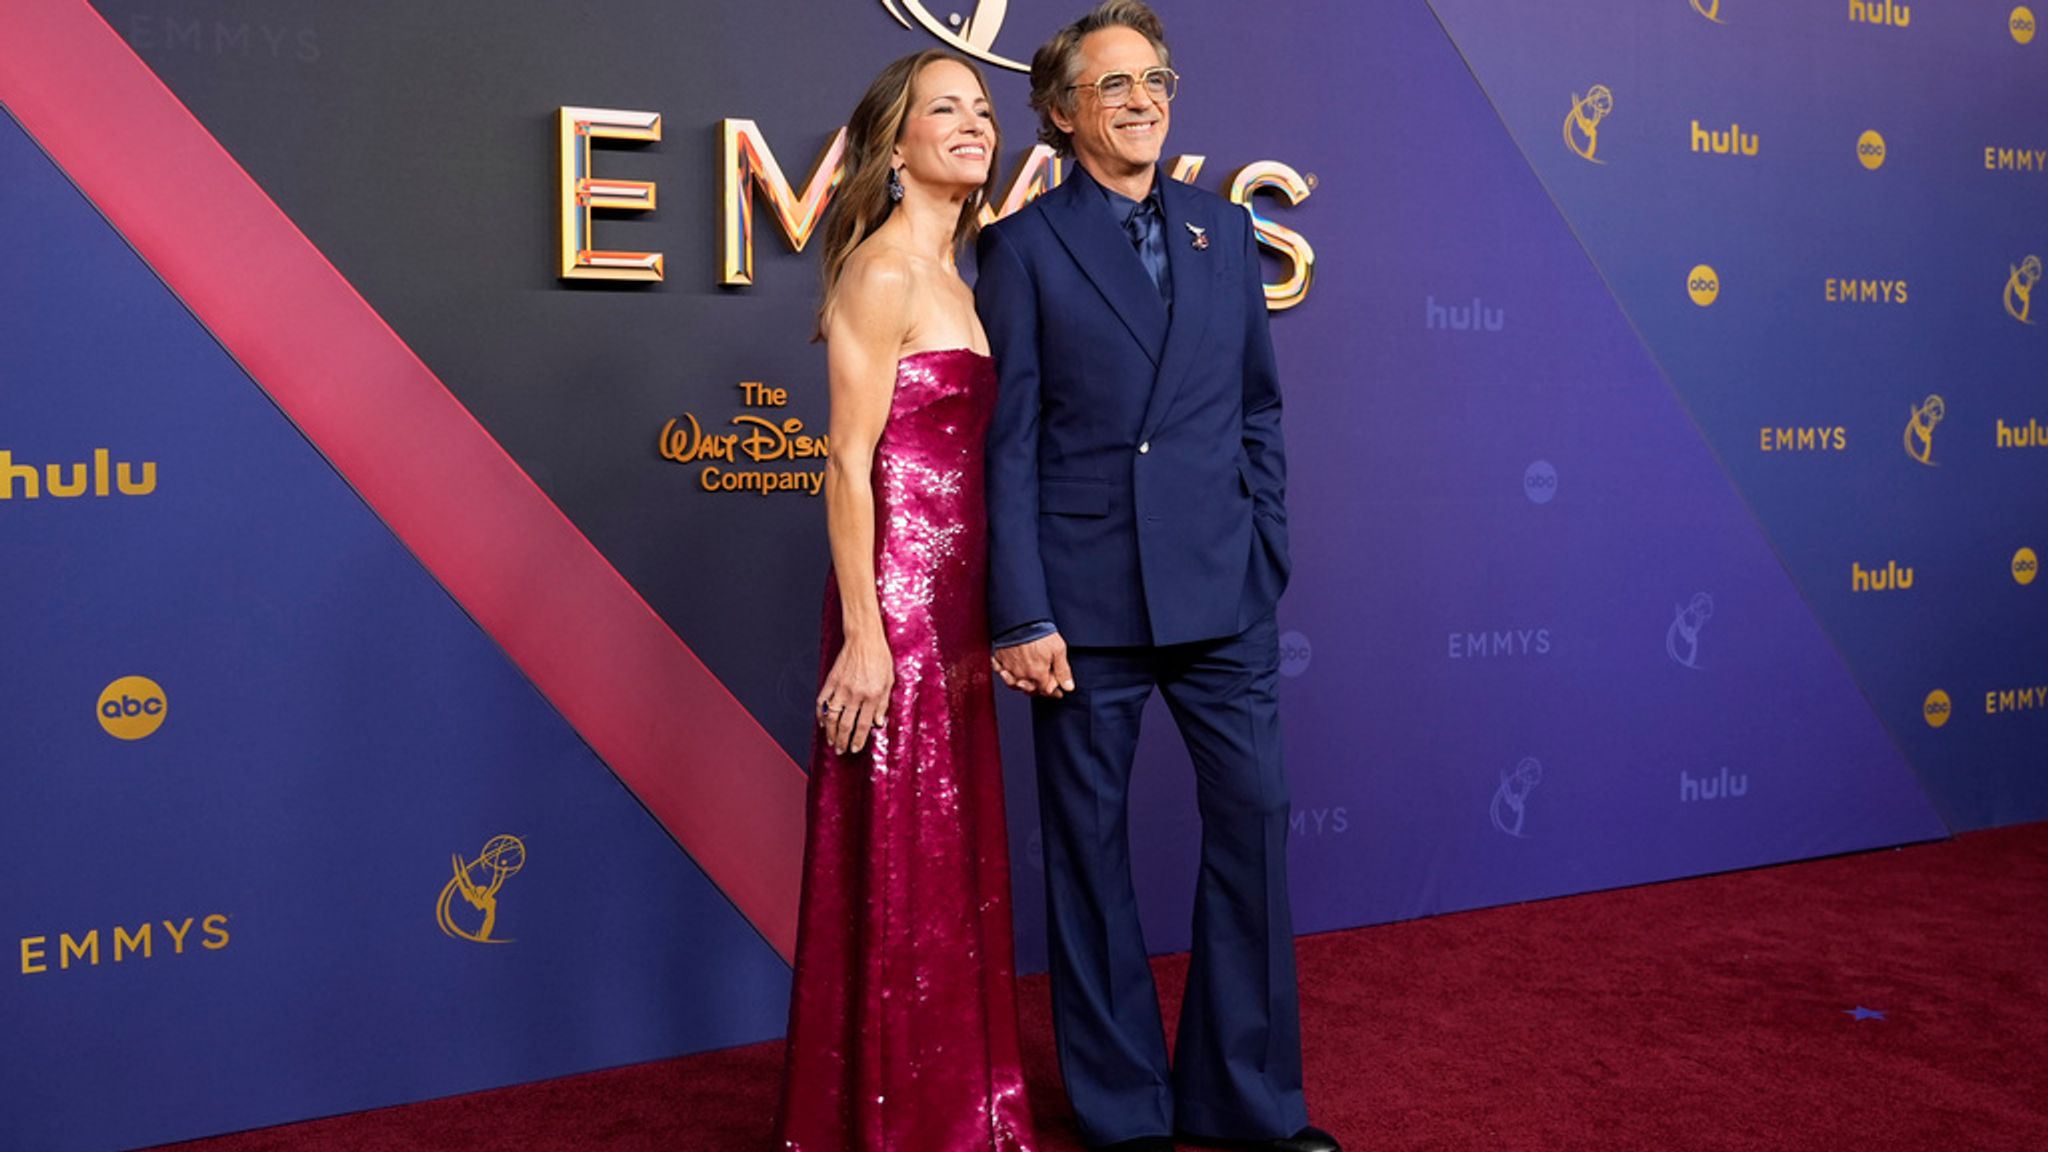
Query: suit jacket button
[[1144, 448]]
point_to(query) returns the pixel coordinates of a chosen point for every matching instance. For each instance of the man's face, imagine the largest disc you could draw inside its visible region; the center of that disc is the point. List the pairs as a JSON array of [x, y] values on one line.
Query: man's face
[[1116, 142]]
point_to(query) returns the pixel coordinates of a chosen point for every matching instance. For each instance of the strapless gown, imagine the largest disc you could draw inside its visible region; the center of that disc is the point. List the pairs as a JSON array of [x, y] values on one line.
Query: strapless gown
[[903, 1016]]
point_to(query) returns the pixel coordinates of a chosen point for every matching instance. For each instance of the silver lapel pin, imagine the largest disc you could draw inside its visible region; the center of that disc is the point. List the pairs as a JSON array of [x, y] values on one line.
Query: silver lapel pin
[[1201, 235]]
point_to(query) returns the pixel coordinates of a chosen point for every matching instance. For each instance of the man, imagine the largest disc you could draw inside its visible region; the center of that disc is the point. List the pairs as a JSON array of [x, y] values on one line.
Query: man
[[1138, 540]]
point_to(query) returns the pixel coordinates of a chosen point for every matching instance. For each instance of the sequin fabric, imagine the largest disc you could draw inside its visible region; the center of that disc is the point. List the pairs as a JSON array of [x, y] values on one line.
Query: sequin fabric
[[903, 1015]]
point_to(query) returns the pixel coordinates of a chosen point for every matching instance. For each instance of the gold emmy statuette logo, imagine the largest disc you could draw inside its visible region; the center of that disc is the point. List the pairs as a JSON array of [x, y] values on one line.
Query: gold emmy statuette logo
[[477, 882], [2021, 24], [1711, 9], [974, 34], [1703, 284], [1920, 429], [2019, 288], [132, 707], [1870, 150], [1582, 125], [2025, 567], [1936, 708]]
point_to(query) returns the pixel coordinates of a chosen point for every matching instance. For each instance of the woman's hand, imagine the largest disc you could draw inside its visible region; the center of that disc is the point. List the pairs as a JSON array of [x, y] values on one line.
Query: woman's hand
[[856, 693]]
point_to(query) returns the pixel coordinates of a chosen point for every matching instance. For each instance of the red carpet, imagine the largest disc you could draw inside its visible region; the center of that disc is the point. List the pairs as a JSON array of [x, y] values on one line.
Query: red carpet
[[1703, 1014]]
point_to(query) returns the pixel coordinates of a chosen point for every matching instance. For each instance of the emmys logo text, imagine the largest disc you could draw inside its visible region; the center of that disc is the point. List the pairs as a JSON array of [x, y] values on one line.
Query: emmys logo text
[[222, 39], [1507, 642], [2016, 700], [1864, 291], [1319, 821], [1829, 438], [123, 944], [2015, 159]]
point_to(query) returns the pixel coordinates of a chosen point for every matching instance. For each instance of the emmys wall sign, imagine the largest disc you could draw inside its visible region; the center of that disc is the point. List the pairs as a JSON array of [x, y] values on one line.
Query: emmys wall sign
[[748, 169]]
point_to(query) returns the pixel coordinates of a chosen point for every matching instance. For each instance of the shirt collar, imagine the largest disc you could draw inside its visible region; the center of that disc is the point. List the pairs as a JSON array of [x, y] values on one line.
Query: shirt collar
[[1120, 205]]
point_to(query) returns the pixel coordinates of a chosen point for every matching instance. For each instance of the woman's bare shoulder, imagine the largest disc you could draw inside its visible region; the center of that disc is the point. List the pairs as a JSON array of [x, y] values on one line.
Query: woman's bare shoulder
[[875, 295]]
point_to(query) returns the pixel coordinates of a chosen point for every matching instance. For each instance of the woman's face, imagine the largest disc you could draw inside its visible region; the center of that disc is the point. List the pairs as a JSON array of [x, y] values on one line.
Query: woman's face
[[949, 136]]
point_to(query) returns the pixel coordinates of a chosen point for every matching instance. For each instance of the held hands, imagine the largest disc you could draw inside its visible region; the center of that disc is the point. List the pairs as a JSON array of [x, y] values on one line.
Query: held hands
[[856, 693], [1037, 668]]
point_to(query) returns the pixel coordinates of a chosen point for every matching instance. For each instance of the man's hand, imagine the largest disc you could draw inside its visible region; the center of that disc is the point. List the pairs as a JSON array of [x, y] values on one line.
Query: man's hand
[[1036, 668]]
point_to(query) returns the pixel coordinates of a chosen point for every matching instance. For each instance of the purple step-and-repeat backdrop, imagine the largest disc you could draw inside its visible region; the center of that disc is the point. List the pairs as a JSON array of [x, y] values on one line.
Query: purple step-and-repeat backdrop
[[1668, 413]]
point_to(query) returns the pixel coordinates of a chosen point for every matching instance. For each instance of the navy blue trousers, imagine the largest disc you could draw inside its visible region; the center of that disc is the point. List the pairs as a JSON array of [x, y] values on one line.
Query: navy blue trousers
[[1236, 1069]]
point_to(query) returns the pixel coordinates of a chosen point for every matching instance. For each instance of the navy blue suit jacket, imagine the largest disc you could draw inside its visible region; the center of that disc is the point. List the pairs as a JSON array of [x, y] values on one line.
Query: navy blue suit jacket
[[1136, 477]]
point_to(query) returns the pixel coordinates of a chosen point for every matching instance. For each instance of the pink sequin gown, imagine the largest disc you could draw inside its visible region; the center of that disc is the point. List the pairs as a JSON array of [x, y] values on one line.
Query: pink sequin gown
[[903, 1017]]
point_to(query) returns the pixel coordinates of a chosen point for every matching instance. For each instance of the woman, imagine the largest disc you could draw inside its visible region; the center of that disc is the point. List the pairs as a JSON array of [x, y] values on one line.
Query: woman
[[903, 1019]]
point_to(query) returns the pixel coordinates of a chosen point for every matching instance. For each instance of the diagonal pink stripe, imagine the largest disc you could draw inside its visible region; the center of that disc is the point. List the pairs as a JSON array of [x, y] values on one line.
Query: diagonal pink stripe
[[572, 624]]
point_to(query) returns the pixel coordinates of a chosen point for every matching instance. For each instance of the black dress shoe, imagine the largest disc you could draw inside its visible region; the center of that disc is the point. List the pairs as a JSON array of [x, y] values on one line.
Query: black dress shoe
[[1309, 1139], [1138, 1144]]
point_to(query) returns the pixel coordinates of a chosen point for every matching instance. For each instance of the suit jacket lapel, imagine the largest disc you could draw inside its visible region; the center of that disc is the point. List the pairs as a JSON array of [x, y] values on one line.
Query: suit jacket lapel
[[1194, 271], [1085, 227]]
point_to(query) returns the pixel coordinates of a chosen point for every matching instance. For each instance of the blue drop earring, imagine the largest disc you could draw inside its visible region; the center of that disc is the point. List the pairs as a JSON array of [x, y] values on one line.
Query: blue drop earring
[[895, 187]]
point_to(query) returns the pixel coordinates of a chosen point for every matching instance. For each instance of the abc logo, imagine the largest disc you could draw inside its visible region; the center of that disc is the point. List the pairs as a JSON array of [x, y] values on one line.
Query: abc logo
[[1935, 708], [2021, 25], [2025, 566], [1539, 482], [132, 708], [1870, 150], [1703, 285], [1294, 654]]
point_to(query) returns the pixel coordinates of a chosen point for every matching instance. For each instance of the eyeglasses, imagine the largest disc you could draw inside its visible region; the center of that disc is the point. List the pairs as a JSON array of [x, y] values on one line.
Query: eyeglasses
[[1113, 89]]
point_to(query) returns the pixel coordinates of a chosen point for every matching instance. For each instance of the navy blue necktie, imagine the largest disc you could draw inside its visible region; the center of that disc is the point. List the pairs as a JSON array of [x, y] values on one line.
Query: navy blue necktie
[[1148, 235]]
